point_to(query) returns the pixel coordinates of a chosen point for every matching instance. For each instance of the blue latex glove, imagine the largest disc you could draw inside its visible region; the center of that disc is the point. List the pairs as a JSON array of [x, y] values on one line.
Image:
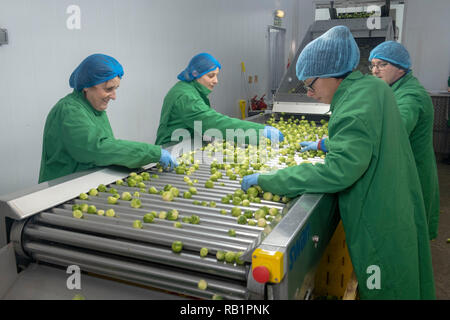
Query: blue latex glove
[[273, 133], [249, 181], [309, 145], [167, 159], [313, 145]]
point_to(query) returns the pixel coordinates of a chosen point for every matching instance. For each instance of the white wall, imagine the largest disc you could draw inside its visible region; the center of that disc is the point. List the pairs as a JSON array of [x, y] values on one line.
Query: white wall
[[426, 35], [153, 40]]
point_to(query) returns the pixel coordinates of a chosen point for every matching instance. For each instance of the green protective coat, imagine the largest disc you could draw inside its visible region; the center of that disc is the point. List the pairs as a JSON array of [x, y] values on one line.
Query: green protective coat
[[77, 137], [371, 167], [417, 112], [187, 102]]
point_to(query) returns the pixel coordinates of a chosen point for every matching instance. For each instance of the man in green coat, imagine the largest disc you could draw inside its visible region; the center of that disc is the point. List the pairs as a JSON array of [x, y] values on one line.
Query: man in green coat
[[390, 61], [187, 107], [77, 133], [370, 166]]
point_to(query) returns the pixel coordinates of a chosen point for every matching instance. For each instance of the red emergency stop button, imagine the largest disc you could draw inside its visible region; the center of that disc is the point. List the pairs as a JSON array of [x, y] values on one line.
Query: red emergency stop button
[[261, 274]]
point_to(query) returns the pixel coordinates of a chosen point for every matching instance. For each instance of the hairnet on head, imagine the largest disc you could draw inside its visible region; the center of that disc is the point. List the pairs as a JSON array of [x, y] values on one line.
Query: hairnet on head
[[199, 65], [93, 70], [333, 54], [392, 52]]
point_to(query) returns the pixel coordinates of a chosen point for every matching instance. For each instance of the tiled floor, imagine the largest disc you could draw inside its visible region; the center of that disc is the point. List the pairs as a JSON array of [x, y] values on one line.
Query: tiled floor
[[440, 249]]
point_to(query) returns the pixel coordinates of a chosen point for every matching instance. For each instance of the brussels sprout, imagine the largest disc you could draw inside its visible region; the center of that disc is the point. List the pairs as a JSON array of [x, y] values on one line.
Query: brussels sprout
[[232, 233], [152, 190], [126, 196], [91, 209], [236, 211], [83, 196], [239, 261], [217, 297], [209, 184], [177, 224], [212, 204], [230, 257], [162, 215], [251, 222], [172, 215], [273, 211], [187, 195], [276, 198], [167, 196], [110, 213], [148, 218], [136, 203], [236, 201], [242, 220], [84, 207], [195, 219], [246, 203], [175, 191], [93, 192], [252, 191], [262, 222], [112, 200], [101, 212], [203, 252], [202, 284], [137, 224], [177, 246], [131, 182], [223, 211], [77, 214], [75, 207], [225, 200], [220, 255], [112, 190], [193, 190], [268, 196], [101, 188]]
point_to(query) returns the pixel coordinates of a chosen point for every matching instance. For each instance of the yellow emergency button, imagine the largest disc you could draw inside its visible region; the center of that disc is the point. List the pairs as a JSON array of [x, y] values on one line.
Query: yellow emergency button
[[267, 266]]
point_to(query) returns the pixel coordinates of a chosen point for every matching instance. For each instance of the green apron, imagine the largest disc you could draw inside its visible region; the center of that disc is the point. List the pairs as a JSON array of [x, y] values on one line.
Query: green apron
[[417, 112], [77, 137], [371, 167], [187, 102]]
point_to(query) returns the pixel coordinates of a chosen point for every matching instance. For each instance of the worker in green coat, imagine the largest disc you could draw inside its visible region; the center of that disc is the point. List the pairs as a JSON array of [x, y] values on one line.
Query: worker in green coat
[[187, 109], [390, 61], [77, 133], [370, 167]]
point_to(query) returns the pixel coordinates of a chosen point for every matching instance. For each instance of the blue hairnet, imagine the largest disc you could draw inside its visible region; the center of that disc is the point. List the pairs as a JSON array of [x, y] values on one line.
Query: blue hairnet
[[333, 54], [199, 65], [95, 69], [392, 52]]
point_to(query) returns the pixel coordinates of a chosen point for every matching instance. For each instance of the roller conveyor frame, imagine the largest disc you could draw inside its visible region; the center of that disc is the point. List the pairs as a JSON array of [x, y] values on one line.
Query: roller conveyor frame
[[50, 236]]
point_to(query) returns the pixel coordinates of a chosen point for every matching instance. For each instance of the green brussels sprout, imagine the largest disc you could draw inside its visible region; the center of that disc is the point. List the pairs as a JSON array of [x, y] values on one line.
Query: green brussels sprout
[[137, 224], [177, 246], [230, 257], [167, 196], [75, 207], [172, 215], [83, 196], [177, 224], [236, 211], [220, 255], [242, 220], [239, 261], [152, 190], [273, 211], [203, 252], [93, 192], [78, 214], [187, 195], [101, 188], [195, 219], [110, 213], [202, 284], [268, 196], [162, 215], [84, 207], [101, 212], [136, 203], [91, 209], [223, 211], [126, 196], [209, 184], [175, 191], [261, 222], [112, 200], [232, 233], [148, 218]]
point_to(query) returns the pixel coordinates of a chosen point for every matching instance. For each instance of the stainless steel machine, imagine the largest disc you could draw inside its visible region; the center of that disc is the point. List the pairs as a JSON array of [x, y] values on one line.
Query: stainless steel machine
[[291, 96], [120, 261]]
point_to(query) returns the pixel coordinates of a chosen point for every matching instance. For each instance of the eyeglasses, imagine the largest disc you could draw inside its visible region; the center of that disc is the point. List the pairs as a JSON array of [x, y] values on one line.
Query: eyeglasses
[[379, 66], [308, 87]]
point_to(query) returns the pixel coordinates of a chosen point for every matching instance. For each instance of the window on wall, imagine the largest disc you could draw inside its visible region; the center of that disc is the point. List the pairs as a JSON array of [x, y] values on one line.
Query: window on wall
[[342, 9]]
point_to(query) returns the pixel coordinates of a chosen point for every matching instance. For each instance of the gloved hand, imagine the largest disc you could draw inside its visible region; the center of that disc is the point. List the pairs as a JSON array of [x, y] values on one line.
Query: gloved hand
[[249, 181], [273, 133], [167, 159], [309, 145], [313, 145]]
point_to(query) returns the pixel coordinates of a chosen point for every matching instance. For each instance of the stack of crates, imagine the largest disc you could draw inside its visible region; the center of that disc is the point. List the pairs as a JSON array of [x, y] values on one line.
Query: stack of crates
[[335, 277]]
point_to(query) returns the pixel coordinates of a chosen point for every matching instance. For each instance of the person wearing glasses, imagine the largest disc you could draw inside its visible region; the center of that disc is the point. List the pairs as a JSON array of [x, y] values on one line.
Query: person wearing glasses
[[390, 61], [187, 102], [371, 169], [77, 133]]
